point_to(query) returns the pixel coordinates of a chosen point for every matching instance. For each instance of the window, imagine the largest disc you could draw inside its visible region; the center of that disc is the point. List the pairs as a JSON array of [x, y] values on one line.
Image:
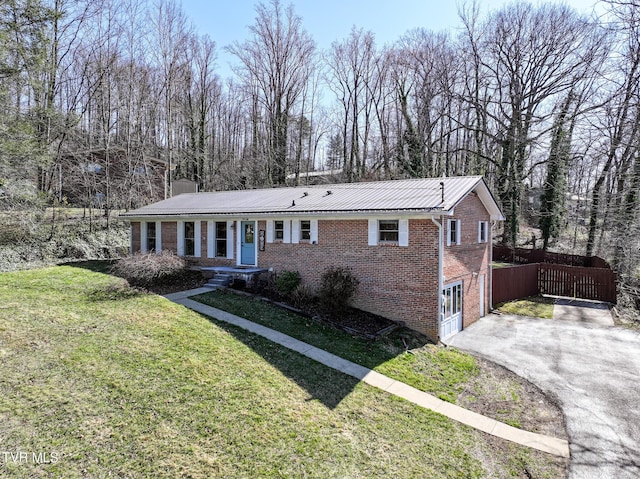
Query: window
[[388, 231], [151, 236], [453, 237], [483, 231], [278, 230], [221, 239], [305, 230], [189, 238]]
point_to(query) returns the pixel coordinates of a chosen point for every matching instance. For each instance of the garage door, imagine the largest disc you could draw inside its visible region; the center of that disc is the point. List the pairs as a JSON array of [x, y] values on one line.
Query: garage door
[[451, 310]]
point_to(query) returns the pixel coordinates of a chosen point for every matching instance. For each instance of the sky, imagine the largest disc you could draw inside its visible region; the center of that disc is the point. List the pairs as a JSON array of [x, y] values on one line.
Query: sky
[[226, 21]]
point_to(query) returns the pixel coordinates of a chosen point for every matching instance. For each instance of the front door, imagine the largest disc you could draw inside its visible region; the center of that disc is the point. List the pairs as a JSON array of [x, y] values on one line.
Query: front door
[[248, 243], [451, 310]]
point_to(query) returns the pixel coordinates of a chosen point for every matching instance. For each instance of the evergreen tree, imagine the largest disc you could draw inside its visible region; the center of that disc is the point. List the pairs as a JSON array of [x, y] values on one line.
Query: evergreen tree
[[552, 208]]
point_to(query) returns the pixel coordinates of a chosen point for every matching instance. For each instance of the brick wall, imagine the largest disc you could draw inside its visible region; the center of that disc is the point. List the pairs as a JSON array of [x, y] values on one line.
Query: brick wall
[[397, 282], [135, 236], [170, 236], [461, 261]]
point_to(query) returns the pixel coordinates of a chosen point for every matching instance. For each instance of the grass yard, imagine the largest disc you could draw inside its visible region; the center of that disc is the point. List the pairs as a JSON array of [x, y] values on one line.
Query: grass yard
[[535, 306], [442, 372], [100, 380]]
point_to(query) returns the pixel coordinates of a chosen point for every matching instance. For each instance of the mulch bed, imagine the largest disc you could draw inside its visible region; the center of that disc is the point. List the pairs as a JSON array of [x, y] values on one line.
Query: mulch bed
[[354, 321]]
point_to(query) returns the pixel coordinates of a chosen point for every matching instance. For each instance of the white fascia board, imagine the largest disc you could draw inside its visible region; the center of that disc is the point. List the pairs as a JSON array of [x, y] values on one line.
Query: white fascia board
[[328, 215]]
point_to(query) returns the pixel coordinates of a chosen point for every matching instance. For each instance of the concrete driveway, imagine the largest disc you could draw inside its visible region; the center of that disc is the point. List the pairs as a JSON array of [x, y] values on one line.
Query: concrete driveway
[[591, 369]]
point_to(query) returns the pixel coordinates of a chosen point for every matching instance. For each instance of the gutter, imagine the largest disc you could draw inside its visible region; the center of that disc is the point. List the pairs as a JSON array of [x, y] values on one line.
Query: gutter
[[440, 269], [288, 214]]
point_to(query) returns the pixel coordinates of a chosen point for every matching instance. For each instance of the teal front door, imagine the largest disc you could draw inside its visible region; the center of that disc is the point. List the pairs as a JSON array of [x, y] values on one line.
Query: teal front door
[[248, 243]]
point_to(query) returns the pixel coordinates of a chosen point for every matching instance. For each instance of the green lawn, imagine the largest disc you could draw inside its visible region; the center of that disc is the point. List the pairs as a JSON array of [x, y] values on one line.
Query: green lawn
[[535, 306], [439, 371], [112, 382]]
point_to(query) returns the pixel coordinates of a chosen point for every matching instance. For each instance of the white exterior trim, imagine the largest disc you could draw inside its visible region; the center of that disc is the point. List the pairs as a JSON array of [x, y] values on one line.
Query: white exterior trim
[[373, 232], [230, 227], [180, 236], [197, 239], [403, 232], [314, 231], [295, 231], [270, 231], [143, 237], [158, 237], [211, 240], [287, 231]]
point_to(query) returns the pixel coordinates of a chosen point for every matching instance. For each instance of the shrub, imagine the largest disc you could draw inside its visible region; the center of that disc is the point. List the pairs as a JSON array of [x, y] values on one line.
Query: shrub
[[337, 287], [144, 269], [302, 296], [287, 282]]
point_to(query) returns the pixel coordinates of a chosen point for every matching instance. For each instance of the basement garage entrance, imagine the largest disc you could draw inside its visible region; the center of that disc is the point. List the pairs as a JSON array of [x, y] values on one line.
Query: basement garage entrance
[[451, 310]]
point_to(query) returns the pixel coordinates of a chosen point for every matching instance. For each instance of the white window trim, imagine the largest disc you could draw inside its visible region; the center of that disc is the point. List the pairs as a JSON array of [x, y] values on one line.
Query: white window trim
[[295, 231], [374, 231], [287, 232], [159, 237], [458, 232], [271, 231], [180, 236], [230, 226], [486, 232], [403, 232], [197, 238], [143, 237]]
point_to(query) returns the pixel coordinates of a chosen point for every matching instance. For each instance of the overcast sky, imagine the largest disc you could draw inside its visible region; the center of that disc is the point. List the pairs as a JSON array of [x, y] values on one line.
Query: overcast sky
[[226, 21]]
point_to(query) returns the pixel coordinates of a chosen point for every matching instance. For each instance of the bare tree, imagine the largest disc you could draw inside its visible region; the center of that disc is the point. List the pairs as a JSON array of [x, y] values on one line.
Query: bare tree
[[277, 60]]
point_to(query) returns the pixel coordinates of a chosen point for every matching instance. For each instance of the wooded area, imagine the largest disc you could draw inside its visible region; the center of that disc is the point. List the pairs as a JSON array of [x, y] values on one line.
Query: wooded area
[[541, 101]]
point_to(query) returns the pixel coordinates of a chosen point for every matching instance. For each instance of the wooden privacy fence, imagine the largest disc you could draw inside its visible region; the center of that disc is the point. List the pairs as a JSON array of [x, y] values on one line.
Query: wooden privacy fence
[[526, 256], [559, 280]]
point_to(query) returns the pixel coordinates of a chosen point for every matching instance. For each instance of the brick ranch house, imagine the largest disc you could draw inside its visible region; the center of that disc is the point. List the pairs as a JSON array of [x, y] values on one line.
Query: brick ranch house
[[421, 248]]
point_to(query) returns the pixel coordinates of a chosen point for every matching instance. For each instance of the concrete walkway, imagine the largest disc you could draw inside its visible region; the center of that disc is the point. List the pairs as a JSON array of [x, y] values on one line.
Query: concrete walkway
[[551, 445]]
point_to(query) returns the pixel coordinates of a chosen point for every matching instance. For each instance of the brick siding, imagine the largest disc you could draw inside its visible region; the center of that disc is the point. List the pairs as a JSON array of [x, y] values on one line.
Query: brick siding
[[397, 282], [463, 260]]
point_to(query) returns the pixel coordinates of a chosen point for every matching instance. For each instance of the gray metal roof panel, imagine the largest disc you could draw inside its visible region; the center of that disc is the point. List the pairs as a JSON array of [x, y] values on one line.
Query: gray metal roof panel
[[423, 194]]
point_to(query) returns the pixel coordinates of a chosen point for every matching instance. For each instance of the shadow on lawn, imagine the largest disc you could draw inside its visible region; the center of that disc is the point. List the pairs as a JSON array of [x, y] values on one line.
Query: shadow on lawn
[[322, 383]]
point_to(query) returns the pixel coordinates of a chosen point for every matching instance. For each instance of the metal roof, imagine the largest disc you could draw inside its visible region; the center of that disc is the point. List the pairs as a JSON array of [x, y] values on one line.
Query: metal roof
[[424, 195]]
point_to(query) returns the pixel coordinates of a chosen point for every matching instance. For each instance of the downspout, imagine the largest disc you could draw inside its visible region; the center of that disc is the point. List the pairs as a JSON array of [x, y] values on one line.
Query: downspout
[[440, 269], [491, 265]]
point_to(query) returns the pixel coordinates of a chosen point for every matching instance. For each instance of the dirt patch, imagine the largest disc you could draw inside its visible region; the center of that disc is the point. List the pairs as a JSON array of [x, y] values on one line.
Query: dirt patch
[[501, 394]]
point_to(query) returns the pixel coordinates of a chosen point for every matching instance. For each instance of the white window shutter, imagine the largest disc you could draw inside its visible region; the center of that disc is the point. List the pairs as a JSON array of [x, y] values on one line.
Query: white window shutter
[[314, 231], [403, 232], [270, 231], [211, 240], [458, 232], [197, 239], [287, 231], [143, 236], [295, 231], [373, 232], [229, 239], [180, 226], [158, 237], [479, 231], [449, 232]]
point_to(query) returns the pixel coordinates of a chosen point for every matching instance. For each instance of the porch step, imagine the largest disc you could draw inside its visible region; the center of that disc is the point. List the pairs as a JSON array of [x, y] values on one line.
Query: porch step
[[220, 280]]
